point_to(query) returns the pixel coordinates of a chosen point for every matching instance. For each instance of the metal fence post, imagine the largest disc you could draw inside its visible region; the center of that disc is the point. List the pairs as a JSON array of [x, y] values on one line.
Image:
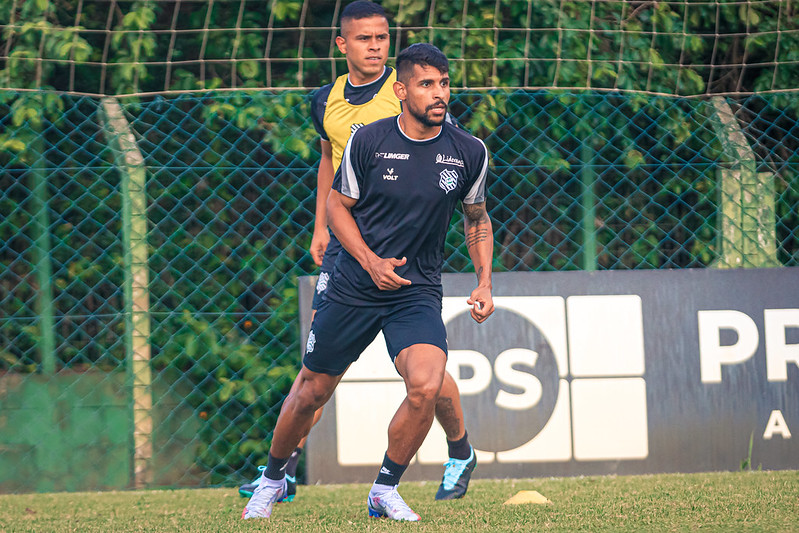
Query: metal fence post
[[130, 164], [747, 219], [588, 204], [44, 268]]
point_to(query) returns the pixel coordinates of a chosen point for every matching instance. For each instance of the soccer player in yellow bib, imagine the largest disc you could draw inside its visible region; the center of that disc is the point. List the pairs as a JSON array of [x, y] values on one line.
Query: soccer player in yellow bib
[[353, 100]]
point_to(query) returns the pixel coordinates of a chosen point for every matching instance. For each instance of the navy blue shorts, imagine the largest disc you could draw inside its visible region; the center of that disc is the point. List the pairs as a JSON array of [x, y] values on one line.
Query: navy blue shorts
[[339, 333], [328, 262]]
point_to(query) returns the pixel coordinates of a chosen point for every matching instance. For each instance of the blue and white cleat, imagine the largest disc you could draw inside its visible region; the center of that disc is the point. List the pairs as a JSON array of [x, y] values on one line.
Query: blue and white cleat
[[457, 473], [263, 500], [390, 504], [247, 489]]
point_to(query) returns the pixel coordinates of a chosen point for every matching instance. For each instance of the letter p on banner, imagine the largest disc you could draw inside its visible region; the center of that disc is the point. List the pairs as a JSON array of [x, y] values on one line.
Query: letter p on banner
[[711, 353]]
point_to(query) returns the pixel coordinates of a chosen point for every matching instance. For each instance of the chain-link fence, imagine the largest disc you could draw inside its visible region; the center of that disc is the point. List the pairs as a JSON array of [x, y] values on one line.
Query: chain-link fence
[[149, 253]]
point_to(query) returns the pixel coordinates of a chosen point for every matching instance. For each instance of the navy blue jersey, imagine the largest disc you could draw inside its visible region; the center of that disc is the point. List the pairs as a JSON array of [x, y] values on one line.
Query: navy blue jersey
[[406, 192]]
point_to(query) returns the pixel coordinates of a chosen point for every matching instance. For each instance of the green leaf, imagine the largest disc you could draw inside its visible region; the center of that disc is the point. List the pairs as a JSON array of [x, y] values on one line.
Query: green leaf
[[9, 358], [129, 20], [248, 394], [191, 346], [227, 390], [248, 69], [633, 158], [251, 446], [604, 70], [284, 9], [655, 58], [11, 145]]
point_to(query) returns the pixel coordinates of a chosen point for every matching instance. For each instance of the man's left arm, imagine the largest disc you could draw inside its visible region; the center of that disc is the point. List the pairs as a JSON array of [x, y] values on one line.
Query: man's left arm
[[480, 243]]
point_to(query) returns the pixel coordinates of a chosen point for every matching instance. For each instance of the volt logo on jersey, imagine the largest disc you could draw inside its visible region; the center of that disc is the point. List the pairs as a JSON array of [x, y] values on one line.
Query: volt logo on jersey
[[390, 176], [448, 180]]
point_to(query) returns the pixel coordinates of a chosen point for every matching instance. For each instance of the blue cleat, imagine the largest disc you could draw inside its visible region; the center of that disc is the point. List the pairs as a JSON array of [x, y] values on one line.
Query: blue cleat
[[457, 473]]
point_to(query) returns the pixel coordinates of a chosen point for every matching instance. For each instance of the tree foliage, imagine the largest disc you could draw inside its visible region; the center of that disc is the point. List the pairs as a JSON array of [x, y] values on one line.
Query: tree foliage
[[664, 47]]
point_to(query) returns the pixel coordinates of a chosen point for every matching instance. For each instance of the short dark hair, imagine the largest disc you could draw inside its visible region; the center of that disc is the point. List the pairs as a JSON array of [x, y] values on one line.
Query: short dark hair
[[422, 54], [361, 9]]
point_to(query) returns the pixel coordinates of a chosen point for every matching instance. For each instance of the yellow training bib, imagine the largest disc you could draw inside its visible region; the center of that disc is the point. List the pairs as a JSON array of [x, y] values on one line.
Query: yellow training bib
[[342, 119]]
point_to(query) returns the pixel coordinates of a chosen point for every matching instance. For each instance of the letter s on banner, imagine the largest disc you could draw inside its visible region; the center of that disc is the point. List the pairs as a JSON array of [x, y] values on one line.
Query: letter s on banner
[[515, 378]]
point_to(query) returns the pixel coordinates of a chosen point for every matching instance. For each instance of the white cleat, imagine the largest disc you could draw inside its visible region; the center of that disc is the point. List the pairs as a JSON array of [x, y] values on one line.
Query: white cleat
[[262, 501], [390, 504]]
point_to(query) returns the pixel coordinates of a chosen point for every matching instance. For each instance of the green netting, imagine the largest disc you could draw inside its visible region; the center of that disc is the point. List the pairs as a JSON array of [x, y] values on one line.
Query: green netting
[[579, 181]]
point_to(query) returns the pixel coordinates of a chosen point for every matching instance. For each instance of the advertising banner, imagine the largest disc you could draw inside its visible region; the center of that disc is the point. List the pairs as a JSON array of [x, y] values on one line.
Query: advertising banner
[[582, 373]]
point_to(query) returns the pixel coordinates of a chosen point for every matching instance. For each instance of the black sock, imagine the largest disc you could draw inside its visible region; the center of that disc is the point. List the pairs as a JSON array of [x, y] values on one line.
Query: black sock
[[294, 460], [276, 468], [390, 472], [460, 449]]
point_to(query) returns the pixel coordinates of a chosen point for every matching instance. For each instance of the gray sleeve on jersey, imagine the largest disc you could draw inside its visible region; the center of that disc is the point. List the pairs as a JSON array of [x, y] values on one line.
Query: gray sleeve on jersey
[[451, 120], [477, 193], [349, 181]]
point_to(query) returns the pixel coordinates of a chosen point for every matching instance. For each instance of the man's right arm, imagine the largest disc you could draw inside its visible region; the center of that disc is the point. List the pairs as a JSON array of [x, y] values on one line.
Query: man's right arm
[[347, 232], [324, 181]]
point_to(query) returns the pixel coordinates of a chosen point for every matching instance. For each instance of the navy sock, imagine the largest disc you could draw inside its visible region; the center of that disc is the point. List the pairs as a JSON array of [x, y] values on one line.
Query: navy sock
[[460, 449], [390, 472], [294, 460], [276, 468]]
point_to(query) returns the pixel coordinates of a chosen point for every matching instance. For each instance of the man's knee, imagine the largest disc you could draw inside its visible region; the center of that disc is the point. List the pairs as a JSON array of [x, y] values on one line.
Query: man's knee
[[422, 367], [424, 395], [308, 399], [312, 391]]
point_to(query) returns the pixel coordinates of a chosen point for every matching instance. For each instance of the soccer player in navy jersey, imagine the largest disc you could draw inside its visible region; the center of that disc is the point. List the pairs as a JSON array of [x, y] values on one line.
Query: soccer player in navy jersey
[[393, 197], [363, 95]]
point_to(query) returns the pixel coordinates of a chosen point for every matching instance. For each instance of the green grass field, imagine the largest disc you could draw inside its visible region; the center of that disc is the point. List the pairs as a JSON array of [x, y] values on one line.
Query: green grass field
[[736, 501]]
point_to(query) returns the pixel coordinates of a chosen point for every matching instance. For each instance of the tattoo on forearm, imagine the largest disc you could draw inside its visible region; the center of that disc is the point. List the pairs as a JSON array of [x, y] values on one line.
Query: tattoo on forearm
[[479, 273], [476, 236]]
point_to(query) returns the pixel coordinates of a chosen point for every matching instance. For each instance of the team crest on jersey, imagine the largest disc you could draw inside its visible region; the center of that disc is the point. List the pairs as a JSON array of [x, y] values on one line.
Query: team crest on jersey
[[448, 181], [321, 283], [309, 346], [390, 176], [355, 127]]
